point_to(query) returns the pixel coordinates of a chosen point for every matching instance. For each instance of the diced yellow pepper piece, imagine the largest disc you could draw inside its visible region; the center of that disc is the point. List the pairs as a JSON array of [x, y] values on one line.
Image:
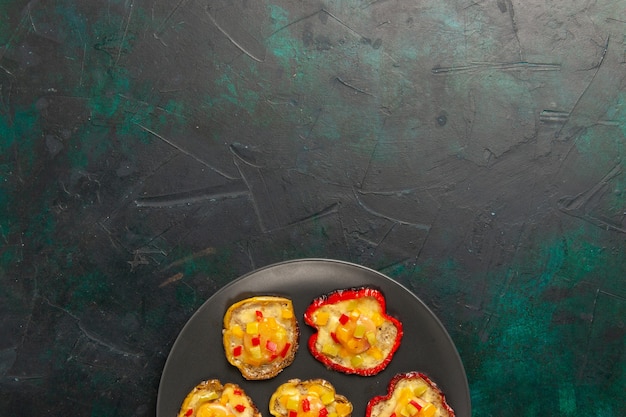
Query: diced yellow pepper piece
[[428, 410], [237, 331], [420, 389], [343, 409], [355, 314], [252, 327], [287, 313], [327, 398], [317, 389], [314, 391], [356, 361], [321, 318], [404, 395], [371, 337], [378, 319], [342, 334], [255, 352], [376, 353], [330, 349], [409, 410], [208, 396], [293, 403], [359, 331]]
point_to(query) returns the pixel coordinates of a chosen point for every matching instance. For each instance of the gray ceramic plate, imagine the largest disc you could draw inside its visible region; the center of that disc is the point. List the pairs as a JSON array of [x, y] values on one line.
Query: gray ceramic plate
[[198, 354]]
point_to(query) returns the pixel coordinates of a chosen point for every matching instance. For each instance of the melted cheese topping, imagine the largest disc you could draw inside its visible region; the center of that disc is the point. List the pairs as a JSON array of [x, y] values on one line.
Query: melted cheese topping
[[354, 333], [411, 398]]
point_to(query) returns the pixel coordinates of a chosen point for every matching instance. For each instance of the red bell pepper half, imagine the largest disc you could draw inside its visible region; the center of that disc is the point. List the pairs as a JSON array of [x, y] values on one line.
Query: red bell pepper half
[[392, 387], [349, 342]]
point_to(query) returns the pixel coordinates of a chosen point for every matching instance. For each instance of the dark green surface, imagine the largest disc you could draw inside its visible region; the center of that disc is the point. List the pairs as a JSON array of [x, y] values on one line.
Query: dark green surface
[[151, 151]]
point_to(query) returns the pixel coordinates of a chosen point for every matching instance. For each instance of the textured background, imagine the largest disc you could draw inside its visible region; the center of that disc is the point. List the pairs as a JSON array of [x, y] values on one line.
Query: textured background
[[151, 151]]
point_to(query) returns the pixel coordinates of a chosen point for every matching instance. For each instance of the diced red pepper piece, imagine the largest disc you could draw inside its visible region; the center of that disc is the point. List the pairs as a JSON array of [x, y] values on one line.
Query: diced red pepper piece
[[189, 412], [306, 405], [237, 350], [238, 392], [333, 335], [240, 408], [285, 350], [256, 340], [259, 315], [393, 414], [344, 319], [323, 412], [415, 404], [293, 413], [271, 346]]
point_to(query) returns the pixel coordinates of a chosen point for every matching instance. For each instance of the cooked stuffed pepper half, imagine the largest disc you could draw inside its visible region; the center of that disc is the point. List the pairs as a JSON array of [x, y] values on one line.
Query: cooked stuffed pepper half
[[260, 336], [410, 394], [212, 399], [354, 334], [310, 398]]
